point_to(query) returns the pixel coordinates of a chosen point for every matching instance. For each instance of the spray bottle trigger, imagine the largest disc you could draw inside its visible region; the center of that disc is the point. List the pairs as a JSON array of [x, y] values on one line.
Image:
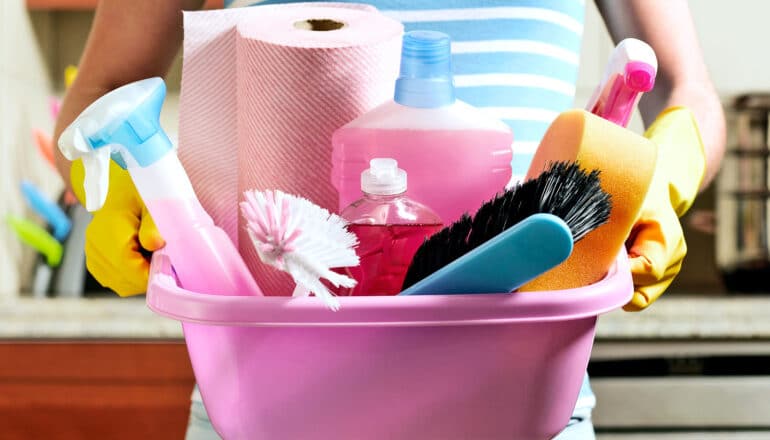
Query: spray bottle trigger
[[97, 178], [96, 163]]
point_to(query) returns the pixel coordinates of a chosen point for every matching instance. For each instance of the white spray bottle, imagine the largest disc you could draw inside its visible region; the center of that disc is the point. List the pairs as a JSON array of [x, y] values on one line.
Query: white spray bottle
[[124, 126]]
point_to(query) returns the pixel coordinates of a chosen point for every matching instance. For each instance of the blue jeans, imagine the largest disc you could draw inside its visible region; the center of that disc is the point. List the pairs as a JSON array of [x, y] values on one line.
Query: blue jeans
[[580, 426]]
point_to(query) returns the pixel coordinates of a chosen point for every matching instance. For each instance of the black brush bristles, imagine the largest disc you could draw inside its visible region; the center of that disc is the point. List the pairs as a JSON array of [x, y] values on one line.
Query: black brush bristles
[[563, 189]]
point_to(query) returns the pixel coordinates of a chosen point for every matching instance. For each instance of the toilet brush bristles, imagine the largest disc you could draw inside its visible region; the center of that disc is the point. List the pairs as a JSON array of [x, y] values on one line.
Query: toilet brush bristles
[[294, 235]]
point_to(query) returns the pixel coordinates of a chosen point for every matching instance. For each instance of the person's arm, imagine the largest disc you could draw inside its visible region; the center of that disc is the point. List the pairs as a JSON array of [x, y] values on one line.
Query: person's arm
[[683, 79], [129, 41]]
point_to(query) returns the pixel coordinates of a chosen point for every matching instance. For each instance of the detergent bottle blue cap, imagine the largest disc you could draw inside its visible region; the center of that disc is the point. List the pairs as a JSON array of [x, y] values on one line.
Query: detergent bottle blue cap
[[426, 78]]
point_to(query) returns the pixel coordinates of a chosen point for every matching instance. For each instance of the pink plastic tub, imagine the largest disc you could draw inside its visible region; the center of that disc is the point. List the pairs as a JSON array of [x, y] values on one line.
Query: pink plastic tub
[[413, 367]]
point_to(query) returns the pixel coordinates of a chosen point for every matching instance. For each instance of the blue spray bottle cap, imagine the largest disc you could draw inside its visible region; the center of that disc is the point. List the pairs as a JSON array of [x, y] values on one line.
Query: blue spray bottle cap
[[123, 125], [426, 71]]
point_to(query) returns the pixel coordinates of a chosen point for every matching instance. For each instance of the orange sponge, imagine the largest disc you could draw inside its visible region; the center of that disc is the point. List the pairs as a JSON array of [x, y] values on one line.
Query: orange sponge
[[626, 161]]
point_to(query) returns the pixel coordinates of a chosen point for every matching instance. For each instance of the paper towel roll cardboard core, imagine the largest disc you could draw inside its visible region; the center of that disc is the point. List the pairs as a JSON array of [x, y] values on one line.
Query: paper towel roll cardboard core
[[626, 161], [319, 24]]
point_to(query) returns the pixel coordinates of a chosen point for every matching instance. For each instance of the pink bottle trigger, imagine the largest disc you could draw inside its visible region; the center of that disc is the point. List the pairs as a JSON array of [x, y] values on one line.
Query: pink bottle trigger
[[630, 72]]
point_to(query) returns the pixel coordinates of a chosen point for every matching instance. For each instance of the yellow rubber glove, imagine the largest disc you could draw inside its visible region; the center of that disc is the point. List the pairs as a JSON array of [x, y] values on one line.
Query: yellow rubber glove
[[656, 244], [118, 233]]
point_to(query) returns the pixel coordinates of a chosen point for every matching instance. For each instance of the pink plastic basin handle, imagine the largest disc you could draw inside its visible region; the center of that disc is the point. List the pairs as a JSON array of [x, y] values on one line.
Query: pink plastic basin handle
[[166, 298]]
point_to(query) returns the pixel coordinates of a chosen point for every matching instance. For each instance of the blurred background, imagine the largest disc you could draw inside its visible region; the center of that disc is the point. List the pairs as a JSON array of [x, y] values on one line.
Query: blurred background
[[92, 365]]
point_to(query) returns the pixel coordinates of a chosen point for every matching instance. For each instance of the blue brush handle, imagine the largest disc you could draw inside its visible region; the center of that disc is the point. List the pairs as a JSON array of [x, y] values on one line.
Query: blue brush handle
[[506, 262], [46, 208]]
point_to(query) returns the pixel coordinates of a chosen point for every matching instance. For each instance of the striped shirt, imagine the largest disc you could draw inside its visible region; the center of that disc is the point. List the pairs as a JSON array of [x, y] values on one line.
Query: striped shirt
[[515, 59]]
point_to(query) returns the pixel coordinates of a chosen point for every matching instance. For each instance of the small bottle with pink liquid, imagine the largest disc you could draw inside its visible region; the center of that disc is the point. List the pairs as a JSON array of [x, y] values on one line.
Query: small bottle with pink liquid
[[390, 227], [458, 157]]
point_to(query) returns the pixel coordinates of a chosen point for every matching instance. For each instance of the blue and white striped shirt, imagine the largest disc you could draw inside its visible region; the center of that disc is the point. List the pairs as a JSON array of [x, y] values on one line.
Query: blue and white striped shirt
[[515, 59]]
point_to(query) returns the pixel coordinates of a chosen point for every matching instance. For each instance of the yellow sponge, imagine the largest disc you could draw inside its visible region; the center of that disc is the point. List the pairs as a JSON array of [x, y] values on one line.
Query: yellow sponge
[[626, 162]]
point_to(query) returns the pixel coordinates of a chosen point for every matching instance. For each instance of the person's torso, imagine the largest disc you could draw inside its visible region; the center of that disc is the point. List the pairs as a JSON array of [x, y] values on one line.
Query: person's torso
[[516, 59]]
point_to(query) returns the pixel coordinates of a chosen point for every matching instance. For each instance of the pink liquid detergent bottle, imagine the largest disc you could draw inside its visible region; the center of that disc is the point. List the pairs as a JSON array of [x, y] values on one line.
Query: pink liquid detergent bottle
[[390, 227], [457, 156]]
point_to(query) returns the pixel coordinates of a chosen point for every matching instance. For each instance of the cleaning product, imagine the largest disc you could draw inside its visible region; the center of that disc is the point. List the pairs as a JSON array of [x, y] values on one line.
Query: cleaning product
[[70, 73], [38, 238], [70, 278], [627, 163], [124, 125], [390, 227], [630, 72], [49, 250], [295, 235], [513, 238], [457, 156], [47, 209], [41, 280], [287, 75], [505, 262], [54, 106], [44, 146]]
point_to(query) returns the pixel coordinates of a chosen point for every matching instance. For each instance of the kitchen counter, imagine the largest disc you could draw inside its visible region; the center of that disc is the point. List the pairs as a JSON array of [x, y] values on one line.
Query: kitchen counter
[[676, 316], [98, 318]]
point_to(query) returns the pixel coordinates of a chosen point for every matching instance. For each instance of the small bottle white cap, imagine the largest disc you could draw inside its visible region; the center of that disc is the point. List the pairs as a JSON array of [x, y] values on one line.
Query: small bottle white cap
[[383, 178]]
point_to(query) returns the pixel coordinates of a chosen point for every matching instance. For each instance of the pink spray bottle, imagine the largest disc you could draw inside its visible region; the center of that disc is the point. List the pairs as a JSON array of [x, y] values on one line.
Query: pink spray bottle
[[457, 156], [630, 72], [124, 126]]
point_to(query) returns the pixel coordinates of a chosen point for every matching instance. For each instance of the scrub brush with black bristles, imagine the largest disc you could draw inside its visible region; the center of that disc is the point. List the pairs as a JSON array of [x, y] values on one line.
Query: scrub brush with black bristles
[[564, 190]]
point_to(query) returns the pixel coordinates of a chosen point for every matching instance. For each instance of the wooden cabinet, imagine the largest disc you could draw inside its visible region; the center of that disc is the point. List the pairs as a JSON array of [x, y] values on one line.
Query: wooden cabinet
[[94, 390]]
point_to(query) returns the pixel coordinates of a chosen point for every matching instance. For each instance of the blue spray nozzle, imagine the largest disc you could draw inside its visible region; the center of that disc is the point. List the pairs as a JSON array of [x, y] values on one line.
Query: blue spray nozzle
[[123, 125], [426, 78], [138, 132]]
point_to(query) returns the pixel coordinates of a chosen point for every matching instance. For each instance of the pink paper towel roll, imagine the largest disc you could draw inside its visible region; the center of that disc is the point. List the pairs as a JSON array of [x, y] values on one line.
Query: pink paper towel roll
[[292, 75]]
